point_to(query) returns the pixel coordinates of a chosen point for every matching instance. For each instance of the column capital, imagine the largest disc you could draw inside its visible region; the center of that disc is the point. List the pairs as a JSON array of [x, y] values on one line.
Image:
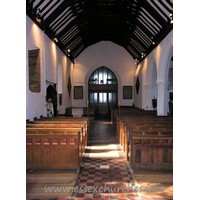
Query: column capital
[[162, 83]]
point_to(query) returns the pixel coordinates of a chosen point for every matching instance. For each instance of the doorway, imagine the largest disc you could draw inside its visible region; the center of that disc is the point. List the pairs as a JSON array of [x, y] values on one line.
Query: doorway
[[102, 92], [52, 93]]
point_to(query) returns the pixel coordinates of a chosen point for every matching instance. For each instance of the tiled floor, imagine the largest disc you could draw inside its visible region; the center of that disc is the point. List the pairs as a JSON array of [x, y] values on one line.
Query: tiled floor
[[104, 173]]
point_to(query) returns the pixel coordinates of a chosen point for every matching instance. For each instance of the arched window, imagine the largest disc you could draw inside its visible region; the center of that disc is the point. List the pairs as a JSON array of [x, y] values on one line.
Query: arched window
[[102, 86], [103, 75]]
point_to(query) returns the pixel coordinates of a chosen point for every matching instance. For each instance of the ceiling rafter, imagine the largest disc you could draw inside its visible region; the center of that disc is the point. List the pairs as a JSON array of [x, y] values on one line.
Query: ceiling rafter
[[137, 25]]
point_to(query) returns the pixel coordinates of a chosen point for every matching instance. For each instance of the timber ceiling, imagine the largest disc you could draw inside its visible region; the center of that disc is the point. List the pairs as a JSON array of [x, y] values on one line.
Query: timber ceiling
[[136, 25]]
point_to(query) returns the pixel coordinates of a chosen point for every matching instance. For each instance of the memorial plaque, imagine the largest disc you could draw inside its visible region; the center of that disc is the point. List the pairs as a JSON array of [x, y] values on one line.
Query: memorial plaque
[[127, 92], [78, 92]]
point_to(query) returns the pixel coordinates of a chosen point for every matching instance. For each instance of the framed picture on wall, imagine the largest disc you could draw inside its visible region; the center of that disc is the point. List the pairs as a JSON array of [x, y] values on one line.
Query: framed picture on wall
[[127, 92], [78, 92]]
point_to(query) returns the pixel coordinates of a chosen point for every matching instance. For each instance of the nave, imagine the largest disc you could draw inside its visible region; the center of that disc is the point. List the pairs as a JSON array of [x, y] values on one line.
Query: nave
[[104, 173]]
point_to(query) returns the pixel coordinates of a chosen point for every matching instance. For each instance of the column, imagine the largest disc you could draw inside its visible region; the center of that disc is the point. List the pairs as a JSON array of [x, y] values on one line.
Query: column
[[161, 98], [147, 98]]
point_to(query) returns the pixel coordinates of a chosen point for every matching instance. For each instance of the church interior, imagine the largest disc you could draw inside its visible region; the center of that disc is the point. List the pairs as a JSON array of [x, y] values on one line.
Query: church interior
[[99, 99]]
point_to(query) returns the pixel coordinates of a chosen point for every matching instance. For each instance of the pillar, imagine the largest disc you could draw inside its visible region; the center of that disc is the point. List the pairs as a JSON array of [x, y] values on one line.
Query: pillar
[[161, 98]]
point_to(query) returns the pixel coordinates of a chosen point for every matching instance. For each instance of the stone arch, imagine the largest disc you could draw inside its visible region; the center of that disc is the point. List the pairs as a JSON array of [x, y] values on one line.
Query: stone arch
[[164, 61], [162, 82], [151, 86], [150, 69]]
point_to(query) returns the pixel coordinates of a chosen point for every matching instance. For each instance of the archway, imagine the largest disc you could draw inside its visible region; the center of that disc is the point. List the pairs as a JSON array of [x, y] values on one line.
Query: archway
[[151, 85], [52, 93], [162, 80], [154, 88], [102, 90], [169, 94]]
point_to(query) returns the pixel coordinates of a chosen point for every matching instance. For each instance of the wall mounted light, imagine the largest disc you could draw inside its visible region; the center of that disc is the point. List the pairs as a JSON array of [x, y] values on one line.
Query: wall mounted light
[[153, 41], [55, 39], [136, 61], [143, 55], [171, 18], [38, 16]]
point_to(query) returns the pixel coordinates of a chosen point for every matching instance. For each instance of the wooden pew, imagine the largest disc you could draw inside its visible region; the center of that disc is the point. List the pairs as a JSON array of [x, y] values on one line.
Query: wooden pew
[[151, 155], [49, 148], [67, 122], [137, 123]]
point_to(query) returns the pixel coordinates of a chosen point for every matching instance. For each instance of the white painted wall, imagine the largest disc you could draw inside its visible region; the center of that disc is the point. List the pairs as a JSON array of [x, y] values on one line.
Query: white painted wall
[[51, 57], [153, 75], [104, 53], [107, 54]]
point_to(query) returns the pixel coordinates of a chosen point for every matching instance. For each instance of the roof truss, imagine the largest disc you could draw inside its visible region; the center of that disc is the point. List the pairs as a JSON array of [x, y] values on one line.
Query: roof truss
[[136, 25]]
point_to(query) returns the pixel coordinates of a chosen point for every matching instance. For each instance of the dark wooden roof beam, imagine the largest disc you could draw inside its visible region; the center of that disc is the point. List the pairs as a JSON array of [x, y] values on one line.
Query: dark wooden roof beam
[[161, 12], [147, 26], [132, 52], [57, 11], [150, 22], [165, 6], [56, 4], [64, 15], [50, 1], [152, 12], [74, 34], [62, 25], [149, 17], [78, 20], [169, 2], [147, 38], [141, 39], [136, 44], [74, 43], [68, 33], [37, 6]]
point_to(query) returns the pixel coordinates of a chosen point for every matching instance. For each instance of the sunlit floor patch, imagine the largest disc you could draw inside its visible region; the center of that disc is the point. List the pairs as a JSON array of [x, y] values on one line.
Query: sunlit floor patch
[[109, 154]]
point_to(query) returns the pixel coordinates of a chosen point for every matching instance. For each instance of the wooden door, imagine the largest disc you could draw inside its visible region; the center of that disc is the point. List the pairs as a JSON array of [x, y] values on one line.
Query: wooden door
[[103, 103]]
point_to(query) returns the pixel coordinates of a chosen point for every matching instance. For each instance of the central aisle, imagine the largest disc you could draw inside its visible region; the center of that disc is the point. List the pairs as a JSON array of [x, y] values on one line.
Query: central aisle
[[104, 173]]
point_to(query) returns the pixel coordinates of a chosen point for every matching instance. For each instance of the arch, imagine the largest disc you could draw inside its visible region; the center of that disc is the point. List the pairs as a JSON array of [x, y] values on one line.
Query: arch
[[97, 65], [163, 65], [105, 74], [52, 93], [163, 71], [102, 90], [151, 86], [151, 64], [109, 66]]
